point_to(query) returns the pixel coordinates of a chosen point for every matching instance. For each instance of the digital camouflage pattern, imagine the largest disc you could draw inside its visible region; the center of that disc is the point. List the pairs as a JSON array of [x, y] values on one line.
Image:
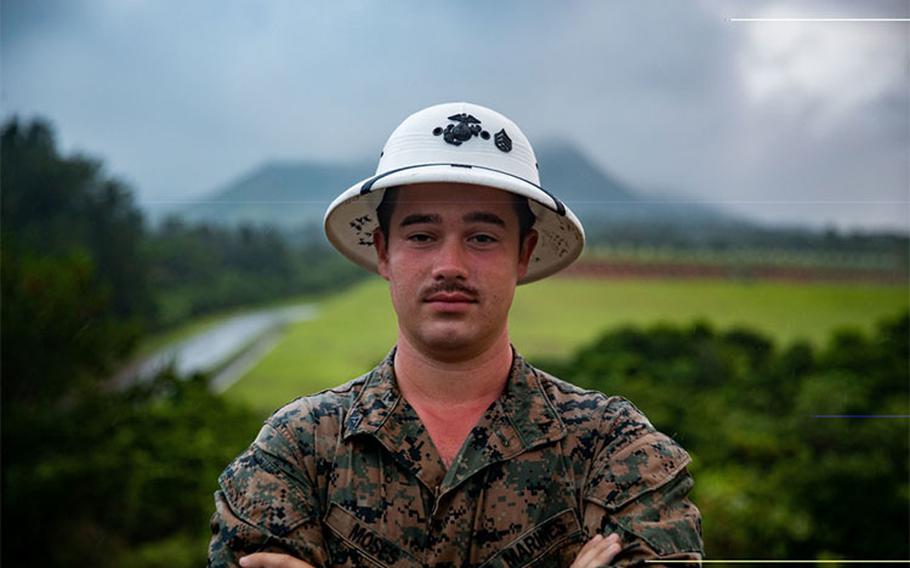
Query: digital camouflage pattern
[[349, 477]]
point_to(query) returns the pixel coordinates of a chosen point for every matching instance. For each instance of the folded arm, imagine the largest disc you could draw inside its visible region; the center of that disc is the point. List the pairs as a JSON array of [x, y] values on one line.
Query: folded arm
[[638, 489], [266, 503]]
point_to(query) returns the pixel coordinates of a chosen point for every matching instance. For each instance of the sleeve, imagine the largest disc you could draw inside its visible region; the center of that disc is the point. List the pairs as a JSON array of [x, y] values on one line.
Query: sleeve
[[266, 502], [639, 488]]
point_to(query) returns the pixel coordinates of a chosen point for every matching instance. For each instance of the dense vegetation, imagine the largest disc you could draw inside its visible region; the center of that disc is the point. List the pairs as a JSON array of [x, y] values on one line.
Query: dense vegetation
[[91, 474], [199, 269], [726, 237], [119, 478], [780, 472]]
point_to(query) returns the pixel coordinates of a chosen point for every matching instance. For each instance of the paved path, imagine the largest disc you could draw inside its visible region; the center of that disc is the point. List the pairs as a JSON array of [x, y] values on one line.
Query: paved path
[[234, 346]]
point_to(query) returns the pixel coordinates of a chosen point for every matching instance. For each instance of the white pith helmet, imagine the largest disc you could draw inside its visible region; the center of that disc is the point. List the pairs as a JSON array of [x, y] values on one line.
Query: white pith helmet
[[459, 143]]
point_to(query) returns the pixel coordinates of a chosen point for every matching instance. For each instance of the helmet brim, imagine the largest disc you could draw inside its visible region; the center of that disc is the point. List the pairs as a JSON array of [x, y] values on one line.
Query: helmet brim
[[351, 218]]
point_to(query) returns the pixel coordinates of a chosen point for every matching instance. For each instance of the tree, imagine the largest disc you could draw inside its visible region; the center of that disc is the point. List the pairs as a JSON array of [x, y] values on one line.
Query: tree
[[92, 474], [773, 480]]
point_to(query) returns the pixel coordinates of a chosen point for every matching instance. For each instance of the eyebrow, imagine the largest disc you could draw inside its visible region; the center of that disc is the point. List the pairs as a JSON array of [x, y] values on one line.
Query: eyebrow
[[473, 217], [419, 218], [483, 217]]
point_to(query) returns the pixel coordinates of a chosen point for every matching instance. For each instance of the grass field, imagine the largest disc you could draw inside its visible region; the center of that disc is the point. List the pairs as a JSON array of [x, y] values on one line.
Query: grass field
[[354, 330]]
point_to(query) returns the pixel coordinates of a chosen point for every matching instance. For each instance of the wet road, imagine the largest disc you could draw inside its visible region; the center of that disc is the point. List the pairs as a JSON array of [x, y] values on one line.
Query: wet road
[[234, 346]]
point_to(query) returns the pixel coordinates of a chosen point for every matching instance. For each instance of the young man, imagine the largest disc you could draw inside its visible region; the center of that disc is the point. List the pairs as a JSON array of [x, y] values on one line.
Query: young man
[[454, 451]]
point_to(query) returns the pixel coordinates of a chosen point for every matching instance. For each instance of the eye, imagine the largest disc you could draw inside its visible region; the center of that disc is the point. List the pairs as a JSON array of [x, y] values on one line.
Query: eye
[[483, 239], [419, 238]]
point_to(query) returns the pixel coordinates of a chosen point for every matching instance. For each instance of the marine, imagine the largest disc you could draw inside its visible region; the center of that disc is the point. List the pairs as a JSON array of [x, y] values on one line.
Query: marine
[[453, 450]]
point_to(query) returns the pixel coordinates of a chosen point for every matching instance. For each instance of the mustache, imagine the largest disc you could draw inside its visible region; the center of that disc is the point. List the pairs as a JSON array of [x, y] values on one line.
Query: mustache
[[449, 286]]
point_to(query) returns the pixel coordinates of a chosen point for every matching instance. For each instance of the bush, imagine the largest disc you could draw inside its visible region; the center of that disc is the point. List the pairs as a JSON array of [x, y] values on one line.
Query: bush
[[773, 479], [119, 475]]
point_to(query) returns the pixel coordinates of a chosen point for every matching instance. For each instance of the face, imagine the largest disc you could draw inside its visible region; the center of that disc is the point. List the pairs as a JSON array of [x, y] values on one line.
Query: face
[[453, 259]]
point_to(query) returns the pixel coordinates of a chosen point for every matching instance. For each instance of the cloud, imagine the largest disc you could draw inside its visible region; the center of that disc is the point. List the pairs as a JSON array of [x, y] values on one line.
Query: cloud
[[182, 96], [829, 70]]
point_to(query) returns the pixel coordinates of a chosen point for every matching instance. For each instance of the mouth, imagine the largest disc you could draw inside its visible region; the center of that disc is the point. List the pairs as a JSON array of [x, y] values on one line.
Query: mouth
[[450, 301], [451, 297]]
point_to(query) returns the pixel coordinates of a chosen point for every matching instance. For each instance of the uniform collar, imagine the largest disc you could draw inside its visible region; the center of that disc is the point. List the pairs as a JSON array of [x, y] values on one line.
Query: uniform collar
[[522, 418]]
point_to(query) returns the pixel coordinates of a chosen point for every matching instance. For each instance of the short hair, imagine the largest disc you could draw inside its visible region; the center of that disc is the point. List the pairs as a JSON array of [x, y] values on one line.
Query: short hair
[[384, 211]]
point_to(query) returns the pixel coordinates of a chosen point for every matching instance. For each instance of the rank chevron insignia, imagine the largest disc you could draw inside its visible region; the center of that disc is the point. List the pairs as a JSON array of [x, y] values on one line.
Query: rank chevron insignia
[[502, 140]]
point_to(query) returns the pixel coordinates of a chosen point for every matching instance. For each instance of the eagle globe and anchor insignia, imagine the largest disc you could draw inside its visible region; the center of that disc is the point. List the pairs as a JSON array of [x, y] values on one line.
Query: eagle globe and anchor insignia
[[467, 127]]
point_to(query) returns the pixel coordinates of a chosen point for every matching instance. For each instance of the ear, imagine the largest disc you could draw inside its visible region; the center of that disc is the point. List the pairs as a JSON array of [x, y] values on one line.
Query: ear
[[382, 253], [524, 254]]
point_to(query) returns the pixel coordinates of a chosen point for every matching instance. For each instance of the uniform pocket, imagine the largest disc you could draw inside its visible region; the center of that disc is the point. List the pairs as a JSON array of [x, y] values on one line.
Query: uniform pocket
[[642, 489], [643, 466], [259, 491]]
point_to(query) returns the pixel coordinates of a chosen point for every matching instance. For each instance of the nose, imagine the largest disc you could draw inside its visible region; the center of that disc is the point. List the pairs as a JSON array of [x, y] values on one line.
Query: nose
[[451, 262]]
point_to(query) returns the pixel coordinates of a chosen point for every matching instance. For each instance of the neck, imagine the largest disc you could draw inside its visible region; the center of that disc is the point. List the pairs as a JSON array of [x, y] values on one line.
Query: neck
[[476, 381]]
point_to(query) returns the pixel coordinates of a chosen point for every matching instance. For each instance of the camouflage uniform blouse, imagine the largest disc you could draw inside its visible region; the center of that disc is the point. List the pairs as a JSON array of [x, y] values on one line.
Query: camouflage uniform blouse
[[349, 477]]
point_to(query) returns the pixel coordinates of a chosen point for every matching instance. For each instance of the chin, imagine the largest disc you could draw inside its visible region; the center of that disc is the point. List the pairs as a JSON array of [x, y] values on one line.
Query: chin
[[447, 342], [447, 339]]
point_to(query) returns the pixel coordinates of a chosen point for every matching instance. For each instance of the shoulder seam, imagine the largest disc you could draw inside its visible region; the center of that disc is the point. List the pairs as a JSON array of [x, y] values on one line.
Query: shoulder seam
[[540, 376]]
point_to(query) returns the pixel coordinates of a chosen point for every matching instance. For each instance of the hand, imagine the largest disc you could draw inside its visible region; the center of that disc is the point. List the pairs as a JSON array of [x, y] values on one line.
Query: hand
[[272, 560], [598, 551]]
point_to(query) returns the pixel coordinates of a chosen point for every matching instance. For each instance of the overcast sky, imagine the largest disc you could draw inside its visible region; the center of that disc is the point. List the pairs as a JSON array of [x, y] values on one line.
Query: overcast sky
[[784, 122]]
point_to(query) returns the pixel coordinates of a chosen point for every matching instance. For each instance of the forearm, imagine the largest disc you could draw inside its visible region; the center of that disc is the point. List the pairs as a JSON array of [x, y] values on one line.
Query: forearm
[[661, 524], [640, 553]]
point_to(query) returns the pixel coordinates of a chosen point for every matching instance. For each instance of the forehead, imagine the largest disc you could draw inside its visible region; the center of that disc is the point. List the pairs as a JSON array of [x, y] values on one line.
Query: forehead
[[455, 197]]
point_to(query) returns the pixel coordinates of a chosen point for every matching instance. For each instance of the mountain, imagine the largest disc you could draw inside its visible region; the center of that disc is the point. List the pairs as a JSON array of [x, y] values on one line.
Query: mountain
[[293, 194], [599, 198], [286, 194]]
